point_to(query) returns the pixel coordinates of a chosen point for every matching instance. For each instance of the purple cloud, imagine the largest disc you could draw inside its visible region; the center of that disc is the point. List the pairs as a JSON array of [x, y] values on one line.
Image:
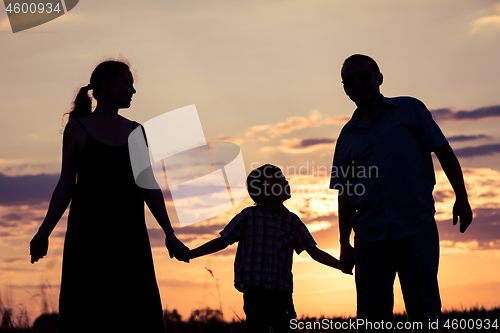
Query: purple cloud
[[485, 229], [484, 112], [32, 189], [305, 143], [482, 150], [467, 137]]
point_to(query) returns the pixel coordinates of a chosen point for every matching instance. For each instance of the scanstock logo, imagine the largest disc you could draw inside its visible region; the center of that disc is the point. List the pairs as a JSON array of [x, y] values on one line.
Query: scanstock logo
[[28, 14], [204, 179]]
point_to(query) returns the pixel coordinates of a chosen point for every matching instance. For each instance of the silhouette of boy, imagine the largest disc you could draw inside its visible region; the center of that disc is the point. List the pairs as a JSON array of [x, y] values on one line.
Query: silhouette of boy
[[383, 170], [267, 234]]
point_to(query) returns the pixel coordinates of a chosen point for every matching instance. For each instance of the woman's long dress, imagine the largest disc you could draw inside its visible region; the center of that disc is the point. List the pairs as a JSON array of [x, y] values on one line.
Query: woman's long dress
[[108, 282]]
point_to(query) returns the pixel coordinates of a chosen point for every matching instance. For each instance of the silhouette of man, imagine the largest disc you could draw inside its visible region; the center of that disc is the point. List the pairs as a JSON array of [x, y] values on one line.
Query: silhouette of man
[[383, 170]]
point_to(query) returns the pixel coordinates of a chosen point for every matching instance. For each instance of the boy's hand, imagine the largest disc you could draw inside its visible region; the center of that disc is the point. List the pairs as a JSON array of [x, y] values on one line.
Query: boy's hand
[[176, 248], [346, 258], [462, 209]]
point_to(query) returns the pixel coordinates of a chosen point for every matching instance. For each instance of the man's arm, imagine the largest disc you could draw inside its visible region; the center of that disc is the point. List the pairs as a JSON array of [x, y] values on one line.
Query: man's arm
[[345, 214], [453, 171], [212, 246]]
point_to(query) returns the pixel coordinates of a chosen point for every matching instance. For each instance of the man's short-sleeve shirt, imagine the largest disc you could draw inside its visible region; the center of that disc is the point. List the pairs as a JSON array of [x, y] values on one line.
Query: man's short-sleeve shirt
[[266, 244], [388, 168]]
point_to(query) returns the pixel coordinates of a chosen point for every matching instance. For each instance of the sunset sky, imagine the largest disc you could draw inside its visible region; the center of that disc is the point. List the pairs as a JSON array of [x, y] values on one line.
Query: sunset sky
[[266, 76]]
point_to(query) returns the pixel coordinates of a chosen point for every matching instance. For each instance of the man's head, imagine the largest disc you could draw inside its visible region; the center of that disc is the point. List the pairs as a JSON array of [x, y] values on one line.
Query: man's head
[[267, 182], [361, 78]]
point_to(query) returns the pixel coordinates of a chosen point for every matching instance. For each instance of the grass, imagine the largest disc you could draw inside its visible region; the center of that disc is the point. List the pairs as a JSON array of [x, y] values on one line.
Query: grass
[[210, 320], [207, 320]]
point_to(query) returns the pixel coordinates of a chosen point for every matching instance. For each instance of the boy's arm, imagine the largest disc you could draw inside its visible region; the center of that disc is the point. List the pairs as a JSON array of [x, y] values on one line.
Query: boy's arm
[[212, 246], [453, 171], [324, 258], [345, 214]]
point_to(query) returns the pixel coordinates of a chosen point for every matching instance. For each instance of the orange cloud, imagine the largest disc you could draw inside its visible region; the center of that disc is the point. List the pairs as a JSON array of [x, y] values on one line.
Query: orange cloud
[[292, 124], [299, 146], [487, 22]]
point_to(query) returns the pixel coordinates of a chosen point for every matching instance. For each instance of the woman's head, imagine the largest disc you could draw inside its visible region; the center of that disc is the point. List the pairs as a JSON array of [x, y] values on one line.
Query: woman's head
[[106, 73], [103, 75]]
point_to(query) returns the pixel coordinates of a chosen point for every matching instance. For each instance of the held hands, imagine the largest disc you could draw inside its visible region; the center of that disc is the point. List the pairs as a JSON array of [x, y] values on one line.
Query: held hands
[[346, 258], [462, 209], [176, 248], [39, 246]]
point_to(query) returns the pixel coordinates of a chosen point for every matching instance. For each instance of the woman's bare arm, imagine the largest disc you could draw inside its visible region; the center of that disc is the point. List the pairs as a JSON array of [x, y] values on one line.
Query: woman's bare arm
[[156, 204], [62, 194]]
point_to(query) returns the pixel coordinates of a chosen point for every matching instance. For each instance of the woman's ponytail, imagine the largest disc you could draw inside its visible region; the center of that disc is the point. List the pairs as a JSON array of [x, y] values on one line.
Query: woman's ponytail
[[82, 105]]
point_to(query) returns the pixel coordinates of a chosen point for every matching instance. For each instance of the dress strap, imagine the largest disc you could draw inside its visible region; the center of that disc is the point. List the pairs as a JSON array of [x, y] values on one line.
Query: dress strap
[[143, 133], [82, 126]]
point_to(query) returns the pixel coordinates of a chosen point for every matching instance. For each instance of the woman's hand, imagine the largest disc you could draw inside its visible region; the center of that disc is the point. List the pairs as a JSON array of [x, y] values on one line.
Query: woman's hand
[[39, 246], [176, 248]]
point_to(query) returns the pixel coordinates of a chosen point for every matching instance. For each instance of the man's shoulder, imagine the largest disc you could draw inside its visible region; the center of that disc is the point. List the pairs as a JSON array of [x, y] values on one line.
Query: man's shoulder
[[402, 101], [345, 130]]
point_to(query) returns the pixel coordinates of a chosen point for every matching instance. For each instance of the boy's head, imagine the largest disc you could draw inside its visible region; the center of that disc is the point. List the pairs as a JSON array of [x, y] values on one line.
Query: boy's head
[[267, 182]]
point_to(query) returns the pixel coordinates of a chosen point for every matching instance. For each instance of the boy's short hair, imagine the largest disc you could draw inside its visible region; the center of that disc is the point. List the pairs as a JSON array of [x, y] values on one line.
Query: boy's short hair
[[256, 178]]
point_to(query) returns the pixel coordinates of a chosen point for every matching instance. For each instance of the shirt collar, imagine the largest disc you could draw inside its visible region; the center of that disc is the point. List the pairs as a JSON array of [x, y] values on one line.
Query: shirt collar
[[265, 208], [355, 123]]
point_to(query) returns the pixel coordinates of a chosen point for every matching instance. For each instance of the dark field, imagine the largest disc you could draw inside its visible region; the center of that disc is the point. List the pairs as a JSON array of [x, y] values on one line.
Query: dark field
[[210, 320]]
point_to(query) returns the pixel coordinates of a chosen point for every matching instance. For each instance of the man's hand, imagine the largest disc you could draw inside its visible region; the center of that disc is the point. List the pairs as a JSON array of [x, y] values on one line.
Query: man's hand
[[176, 248], [39, 246], [347, 258], [453, 171], [462, 209]]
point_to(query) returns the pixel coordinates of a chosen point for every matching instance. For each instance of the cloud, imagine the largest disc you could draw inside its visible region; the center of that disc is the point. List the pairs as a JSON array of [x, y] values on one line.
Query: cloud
[[483, 189], [483, 233], [487, 22], [225, 138], [196, 232], [256, 129], [14, 260], [318, 226], [478, 150], [315, 204], [316, 119], [292, 124], [299, 146], [337, 120], [467, 137], [12, 219], [306, 143], [484, 112], [20, 190], [5, 24]]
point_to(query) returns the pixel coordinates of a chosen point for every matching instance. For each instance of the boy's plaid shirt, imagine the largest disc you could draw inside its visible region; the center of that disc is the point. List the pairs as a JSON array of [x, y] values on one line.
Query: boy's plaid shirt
[[266, 244]]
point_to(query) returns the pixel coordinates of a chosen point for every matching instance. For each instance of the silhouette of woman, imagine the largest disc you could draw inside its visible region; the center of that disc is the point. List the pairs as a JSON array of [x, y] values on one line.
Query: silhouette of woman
[[108, 282]]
